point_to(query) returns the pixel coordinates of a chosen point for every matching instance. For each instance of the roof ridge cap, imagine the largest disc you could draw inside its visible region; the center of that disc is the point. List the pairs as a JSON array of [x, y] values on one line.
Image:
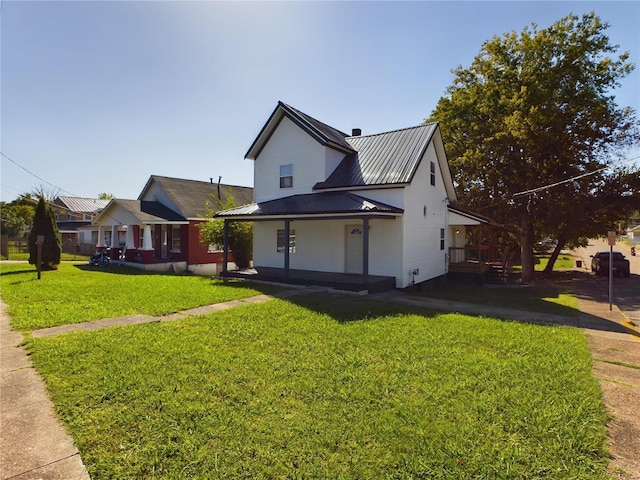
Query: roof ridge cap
[[393, 131]]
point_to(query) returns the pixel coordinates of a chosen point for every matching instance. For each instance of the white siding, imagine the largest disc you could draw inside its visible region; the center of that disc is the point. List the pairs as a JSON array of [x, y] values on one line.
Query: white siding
[[289, 144], [390, 196], [320, 245], [422, 231]]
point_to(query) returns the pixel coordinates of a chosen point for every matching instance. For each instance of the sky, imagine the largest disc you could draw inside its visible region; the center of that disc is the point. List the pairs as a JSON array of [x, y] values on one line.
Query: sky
[[98, 96]]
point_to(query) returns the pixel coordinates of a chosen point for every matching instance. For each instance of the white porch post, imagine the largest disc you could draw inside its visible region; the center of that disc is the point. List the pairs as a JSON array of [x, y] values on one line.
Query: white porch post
[[101, 242], [130, 243], [146, 240], [114, 236]]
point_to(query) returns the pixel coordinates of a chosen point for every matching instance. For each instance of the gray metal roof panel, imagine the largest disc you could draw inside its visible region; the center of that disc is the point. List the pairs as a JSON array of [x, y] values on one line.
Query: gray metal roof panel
[[382, 159], [330, 134], [81, 204], [313, 204]]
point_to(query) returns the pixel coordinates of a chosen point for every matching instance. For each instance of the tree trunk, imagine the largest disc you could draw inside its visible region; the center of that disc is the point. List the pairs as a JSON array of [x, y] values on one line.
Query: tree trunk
[[554, 256], [526, 247]]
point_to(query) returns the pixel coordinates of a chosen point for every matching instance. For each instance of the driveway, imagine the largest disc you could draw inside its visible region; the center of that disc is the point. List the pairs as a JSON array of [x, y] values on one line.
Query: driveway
[[626, 291]]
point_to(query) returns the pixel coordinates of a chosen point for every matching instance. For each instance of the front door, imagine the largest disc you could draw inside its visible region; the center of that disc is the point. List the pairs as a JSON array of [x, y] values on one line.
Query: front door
[[353, 253]]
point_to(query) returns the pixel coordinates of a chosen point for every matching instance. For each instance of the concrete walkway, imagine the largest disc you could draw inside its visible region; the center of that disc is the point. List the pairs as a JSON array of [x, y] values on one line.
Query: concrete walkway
[[34, 444]]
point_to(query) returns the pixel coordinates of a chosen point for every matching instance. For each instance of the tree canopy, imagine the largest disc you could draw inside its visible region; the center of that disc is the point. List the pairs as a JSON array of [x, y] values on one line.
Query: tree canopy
[[240, 233], [16, 216], [536, 109]]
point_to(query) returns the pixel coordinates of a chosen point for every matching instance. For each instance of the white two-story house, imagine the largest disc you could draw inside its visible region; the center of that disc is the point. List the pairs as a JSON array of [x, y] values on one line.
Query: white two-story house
[[360, 212]]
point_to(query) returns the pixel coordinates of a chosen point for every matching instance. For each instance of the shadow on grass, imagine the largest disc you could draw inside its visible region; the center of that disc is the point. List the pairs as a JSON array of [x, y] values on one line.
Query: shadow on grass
[[353, 308], [13, 272], [115, 269], [529, 304], [542, 296]]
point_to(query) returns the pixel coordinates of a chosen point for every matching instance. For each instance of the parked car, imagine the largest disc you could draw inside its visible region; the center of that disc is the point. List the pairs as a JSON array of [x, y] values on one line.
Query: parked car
[[600, 264]]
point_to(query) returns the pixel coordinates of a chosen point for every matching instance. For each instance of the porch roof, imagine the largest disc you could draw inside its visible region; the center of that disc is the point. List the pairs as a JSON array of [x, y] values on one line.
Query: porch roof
[[460, 216], [313, 205], [124, 212]]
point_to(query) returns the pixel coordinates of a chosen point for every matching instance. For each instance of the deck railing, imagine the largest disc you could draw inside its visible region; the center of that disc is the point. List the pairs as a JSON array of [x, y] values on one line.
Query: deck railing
[[477, 254]]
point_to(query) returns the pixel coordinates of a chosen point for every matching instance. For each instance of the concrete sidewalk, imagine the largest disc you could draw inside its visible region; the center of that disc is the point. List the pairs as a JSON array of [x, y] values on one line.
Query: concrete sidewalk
[[33, 442]]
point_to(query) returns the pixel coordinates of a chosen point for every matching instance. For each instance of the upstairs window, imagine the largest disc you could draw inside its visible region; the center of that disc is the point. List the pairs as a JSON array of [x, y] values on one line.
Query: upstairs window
[[286, 176], [433, 173]]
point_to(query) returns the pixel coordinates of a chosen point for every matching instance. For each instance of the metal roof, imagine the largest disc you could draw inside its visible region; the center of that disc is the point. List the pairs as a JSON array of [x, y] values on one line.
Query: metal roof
[[326, 203], [323, 133], [389, 158], [191, 196], [80, 204]]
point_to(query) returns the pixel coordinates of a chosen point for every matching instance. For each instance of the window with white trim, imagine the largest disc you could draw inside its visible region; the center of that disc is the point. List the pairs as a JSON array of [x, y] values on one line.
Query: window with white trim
[[175, 238], [281, 242], [286, 175], [433, 173], [442, 239]]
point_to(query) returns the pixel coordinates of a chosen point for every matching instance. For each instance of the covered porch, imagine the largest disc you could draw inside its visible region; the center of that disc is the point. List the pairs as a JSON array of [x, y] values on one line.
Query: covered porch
[[141, 233], [474, 250], [346, 212]]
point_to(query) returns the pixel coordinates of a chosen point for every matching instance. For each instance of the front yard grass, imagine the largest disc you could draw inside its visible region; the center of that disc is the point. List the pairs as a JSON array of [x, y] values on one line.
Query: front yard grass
[[553, 295], [327, 386], [320, 386], [77, 293]]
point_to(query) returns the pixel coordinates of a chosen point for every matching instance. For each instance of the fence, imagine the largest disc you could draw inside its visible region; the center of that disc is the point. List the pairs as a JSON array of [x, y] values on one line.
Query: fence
[[17, 248]]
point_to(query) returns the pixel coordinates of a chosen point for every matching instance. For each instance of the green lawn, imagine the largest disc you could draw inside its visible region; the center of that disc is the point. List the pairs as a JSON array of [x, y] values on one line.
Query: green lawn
[[563, 261], [322, 386], [554, 296], [77, 293]]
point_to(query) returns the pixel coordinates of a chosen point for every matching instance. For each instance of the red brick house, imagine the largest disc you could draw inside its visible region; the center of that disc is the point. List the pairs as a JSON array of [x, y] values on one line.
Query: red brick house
[[161, 225]]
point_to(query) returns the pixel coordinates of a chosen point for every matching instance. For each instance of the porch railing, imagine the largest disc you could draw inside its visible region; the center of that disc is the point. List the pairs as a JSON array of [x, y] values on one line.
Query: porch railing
[[477, 254]]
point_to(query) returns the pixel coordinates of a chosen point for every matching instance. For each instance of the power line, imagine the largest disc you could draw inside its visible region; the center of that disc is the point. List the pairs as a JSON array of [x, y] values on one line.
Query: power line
[[33, 174], [545, 187]]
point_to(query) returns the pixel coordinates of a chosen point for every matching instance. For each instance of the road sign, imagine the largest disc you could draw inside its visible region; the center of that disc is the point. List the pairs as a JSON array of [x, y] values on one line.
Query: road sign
[[612, 237]]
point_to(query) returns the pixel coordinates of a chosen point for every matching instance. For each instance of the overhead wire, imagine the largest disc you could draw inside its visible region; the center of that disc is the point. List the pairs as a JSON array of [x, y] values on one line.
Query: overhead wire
[[36, 176], [551, 185]]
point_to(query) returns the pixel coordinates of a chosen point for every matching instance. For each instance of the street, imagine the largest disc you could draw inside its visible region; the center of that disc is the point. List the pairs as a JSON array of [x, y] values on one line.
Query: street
[[626, 291]]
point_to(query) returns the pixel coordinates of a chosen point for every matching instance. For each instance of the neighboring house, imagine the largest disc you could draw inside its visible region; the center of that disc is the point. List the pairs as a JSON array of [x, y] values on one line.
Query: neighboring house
[[633, 234], [368, 212], [161, 225], [73, 217]]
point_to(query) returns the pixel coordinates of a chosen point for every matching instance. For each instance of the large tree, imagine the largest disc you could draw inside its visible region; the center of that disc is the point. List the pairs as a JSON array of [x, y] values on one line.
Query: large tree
[[535, 109], [44, 224]]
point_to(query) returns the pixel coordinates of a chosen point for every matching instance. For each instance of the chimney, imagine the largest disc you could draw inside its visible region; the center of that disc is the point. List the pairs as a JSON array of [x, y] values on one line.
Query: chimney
[[356, 132], [219, 178]]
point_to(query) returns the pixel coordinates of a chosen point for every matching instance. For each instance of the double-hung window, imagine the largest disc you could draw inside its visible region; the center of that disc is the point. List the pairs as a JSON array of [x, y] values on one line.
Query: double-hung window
[[175, 238], [286, 176], [433, 173], [281, 241]]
